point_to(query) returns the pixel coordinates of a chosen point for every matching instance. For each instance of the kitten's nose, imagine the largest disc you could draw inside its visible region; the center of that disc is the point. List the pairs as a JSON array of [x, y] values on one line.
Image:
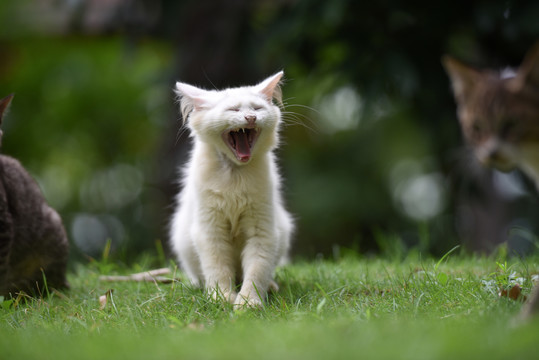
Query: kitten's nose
[[251, 118]]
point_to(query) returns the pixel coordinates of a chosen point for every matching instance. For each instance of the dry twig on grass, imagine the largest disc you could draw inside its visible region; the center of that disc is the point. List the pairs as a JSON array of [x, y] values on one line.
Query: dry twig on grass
[[150, 276]]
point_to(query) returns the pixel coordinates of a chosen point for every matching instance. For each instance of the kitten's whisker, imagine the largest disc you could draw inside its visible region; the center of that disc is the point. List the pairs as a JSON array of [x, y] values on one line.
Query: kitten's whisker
[[294, 118], [208, 78], [304, 107], [181, 130]]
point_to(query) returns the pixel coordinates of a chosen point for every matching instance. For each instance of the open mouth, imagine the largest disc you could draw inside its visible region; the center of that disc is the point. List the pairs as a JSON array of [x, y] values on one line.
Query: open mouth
[[241, 142]]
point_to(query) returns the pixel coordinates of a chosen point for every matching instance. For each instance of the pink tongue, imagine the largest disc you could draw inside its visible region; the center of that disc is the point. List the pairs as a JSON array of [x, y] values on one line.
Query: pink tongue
[[243, 149]]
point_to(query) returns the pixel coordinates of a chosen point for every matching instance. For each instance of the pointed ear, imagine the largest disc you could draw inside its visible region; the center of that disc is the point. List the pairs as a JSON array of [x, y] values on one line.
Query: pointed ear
[[463, 77], [191, 98], [4, 104], [528, 72], [270, 88]]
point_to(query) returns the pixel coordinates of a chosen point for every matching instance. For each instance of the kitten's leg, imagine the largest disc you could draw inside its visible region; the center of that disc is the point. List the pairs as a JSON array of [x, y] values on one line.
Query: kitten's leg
[[284, 227], [259, 259], [216, 254], [273, 287], [190, 264], [184, 248], [263, 251]]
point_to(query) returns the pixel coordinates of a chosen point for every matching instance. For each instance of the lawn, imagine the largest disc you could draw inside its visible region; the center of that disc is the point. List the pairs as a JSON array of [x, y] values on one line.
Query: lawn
[[354, 307]]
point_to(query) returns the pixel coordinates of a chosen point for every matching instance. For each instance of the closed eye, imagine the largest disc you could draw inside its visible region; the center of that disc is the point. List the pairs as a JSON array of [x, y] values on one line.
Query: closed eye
[[236, 109], [256, 108]]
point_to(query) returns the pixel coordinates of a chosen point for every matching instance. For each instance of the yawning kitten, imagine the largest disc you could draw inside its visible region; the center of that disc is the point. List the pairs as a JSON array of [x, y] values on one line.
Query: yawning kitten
[[33, 243], [499, 116], [230, 224]]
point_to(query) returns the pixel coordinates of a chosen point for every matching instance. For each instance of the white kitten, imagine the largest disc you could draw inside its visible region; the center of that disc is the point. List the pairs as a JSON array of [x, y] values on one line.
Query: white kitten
[[230, 224]]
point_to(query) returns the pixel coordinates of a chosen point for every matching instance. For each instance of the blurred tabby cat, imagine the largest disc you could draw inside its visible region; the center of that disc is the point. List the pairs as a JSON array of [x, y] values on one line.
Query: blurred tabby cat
[[33, 242], [499, 117]]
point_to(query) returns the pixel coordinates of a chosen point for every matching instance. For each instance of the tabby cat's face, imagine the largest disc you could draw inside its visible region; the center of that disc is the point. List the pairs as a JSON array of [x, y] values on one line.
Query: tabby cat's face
[[499, 123], [499, 115]]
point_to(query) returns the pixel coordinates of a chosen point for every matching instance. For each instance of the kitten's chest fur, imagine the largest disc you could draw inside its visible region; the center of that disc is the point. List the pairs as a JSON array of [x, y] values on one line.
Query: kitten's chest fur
[[223, 178], [237, 193]]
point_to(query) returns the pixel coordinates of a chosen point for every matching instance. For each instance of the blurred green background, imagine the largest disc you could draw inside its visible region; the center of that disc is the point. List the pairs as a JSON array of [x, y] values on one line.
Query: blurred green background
[[372, 155]]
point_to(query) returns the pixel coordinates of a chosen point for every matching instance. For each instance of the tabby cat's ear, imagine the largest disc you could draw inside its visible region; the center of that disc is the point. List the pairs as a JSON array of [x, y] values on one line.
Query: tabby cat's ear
[[463, 77], [4, 103], [528, 72], [270, 88]]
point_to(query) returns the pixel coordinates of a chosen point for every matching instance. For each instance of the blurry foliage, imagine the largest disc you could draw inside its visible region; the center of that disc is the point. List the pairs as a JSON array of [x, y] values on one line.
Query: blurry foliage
[[94, 119], [85, 121]]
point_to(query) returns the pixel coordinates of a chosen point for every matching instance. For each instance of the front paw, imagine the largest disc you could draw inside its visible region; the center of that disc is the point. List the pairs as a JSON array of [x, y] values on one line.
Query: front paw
[[223, 296], [246, 301], [273, 287]]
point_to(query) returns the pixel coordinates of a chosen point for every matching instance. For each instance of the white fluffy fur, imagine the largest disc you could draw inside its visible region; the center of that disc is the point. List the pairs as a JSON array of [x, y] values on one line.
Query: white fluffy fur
[[230, 224]]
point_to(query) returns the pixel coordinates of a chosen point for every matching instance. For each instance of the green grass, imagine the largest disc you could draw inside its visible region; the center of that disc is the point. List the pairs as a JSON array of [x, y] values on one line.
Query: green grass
[[352, 308]]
